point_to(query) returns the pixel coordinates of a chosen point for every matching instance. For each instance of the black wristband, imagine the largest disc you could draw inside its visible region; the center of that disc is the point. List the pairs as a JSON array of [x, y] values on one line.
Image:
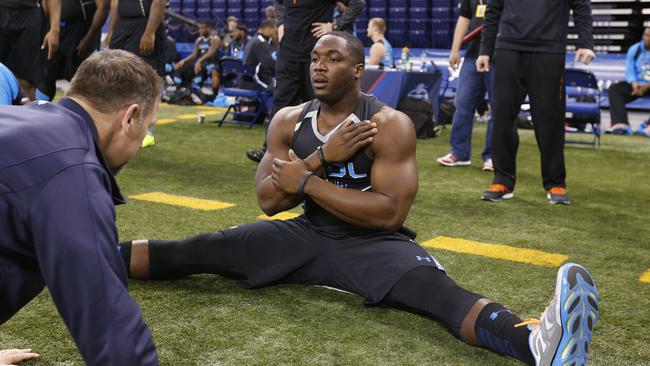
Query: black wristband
[[301, 184], [321, 156]]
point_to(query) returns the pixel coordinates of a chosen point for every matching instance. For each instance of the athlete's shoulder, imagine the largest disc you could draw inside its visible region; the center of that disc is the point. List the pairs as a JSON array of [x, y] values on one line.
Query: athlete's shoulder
[[286, 118], [390, 117]]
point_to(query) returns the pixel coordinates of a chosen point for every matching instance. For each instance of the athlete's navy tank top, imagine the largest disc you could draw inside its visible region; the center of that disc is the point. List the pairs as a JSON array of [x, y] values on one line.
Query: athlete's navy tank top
[[352, 174]]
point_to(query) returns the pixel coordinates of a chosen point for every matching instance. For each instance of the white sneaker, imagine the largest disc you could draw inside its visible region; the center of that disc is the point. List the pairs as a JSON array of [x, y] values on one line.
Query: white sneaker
[[487, 166], [451, 160], [563, 333]]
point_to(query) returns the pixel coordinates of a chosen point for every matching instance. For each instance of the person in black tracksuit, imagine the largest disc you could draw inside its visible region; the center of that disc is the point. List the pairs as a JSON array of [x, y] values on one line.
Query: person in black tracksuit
[[526, 41], [300, 24], [22, 35], [259, 56], [81, 23], [136, 26]]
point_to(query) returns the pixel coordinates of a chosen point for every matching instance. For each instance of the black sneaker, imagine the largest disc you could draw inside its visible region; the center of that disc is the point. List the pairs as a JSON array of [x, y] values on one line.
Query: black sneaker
[[255, 155], [496, 193], [558, 195]]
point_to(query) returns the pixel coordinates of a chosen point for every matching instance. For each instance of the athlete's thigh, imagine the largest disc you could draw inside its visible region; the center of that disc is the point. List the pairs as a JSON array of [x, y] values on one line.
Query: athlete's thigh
[[276, 251], [370, 264]]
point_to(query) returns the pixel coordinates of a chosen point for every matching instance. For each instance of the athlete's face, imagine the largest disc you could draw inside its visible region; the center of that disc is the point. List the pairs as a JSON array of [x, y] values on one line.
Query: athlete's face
[[332, 69], [646, 38], [204, 30], [125, 142]]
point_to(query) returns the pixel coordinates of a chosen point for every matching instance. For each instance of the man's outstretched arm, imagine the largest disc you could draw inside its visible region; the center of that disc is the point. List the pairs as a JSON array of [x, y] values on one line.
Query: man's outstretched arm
[[394, 179]]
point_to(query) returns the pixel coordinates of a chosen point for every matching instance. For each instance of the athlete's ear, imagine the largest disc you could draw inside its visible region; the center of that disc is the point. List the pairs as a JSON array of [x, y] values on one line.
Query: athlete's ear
[[358, 71]]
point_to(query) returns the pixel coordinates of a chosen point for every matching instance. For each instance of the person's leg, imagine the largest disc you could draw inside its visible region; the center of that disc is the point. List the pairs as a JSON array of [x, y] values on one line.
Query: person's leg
[[509, 91], [473, 318], [468, 94], [487, 85], [258, 253], [619, 95], [545, 80], [289, 84]]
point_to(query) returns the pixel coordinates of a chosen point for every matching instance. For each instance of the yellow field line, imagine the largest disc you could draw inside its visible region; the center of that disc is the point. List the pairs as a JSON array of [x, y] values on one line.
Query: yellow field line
[[286, 215], [164, 121], [645, 277], [498, 251], [187, 116], [190, 202]]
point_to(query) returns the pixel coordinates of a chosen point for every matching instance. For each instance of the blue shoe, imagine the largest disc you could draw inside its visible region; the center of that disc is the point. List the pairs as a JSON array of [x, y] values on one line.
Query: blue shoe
[[563, 333], [643, 129]]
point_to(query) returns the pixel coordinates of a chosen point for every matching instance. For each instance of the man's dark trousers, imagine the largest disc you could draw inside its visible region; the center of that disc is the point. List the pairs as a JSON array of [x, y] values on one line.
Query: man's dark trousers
[[541, 77], [619, 95]]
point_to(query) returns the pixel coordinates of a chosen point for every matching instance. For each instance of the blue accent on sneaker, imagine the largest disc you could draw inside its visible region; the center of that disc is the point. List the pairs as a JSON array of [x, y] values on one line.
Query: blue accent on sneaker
[[578, 306], [641, 131]]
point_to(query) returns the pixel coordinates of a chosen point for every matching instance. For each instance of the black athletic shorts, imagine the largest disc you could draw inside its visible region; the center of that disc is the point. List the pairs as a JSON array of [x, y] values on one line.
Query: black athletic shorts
[[21, 35], [127, 35], [368, 263]]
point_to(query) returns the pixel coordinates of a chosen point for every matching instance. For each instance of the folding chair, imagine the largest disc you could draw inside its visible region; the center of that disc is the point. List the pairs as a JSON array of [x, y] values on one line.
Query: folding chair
[[583, 103], [235, 66]]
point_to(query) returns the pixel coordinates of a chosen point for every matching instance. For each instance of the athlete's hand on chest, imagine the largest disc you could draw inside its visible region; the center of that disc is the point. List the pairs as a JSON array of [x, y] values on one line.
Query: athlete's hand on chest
[[349, 138], [286, 175]]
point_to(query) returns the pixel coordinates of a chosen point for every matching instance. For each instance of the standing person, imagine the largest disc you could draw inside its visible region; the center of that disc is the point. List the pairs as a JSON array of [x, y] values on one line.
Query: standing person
[[258, 56], [80, 35], [302, 22], [526, 39], [57, 197], [204, 53], [21, 38], [471, 90], [381, 51], [636, 85], [137, 27], [357, 182]]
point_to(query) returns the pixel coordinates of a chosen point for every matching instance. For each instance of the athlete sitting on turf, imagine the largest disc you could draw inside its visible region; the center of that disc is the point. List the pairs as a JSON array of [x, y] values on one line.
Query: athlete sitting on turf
[[357, 180]]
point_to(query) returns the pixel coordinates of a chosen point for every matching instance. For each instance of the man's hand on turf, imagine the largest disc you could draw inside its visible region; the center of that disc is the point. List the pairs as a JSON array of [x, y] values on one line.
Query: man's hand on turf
[[12, 356], [286, 175], [146, 43], [349, 138]]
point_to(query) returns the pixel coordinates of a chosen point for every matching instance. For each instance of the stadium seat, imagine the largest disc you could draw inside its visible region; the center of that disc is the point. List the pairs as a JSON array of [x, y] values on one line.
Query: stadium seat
[[251, 4], [422, 3], [189, 12], [418, 38], [398, 13], [218, 14], [420, 25], [418, 13], [441, 13], [398, 3], [263, 97], [252, 14], [203, 14], [377, 12], [235, 11], [265, 3], [583, 103], [398, 38]]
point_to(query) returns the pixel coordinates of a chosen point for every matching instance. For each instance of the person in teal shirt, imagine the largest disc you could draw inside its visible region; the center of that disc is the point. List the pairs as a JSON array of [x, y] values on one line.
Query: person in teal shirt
[[9, 87], [636, 85]]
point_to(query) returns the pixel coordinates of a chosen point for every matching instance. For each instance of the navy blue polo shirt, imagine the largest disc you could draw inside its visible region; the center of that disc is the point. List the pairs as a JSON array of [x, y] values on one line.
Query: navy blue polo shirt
[[57, 224]]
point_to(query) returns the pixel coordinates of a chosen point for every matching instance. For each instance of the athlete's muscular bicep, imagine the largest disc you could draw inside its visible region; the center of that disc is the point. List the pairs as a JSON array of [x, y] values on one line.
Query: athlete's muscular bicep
[[394, 171], [278, 138]]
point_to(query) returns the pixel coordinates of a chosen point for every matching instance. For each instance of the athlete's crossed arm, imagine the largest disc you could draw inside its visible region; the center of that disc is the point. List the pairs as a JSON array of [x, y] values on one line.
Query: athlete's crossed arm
[[341, 146], [393, 178]]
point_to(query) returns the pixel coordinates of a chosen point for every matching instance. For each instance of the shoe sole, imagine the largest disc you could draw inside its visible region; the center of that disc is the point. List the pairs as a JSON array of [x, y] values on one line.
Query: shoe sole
[[458, 163], [506, 196], [577, 309], [487, 169], [553, 202]]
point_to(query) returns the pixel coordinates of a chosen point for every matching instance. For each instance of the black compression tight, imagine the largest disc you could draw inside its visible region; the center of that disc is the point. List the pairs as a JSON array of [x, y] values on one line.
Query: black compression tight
[[204, 253]]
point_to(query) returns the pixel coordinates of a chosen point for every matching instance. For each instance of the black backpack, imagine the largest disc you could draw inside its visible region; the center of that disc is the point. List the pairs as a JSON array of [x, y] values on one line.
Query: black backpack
[[420, 112]]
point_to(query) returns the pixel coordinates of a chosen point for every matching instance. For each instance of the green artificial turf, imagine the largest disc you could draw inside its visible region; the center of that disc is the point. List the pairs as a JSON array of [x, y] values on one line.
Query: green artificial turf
[[209, 320]]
